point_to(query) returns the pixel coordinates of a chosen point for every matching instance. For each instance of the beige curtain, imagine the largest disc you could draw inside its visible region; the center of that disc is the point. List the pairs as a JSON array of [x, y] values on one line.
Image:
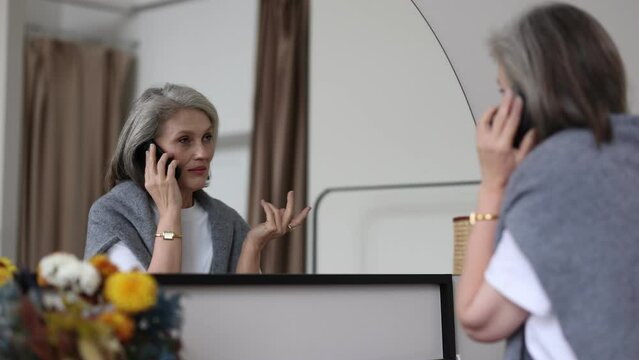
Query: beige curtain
[[280, 126], [74, 98]]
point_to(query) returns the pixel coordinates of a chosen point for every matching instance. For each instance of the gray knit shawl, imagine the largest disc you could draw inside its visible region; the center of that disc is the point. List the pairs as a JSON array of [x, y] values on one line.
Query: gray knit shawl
[[573, 209], [125, 214]]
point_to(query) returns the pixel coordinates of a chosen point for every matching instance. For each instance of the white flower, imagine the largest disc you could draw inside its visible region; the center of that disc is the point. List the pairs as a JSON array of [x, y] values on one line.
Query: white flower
[[52, 300], [51, 268], [65, 271], [68, 275], [89, 279]]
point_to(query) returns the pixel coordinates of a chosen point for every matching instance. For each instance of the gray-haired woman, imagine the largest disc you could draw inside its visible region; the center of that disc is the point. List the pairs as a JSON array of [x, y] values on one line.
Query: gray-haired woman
[[562, 281], [156, 215]]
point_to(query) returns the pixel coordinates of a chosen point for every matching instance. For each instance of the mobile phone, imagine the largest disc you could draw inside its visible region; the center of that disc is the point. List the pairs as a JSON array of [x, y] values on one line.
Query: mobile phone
[[525, 123], [140, 156]]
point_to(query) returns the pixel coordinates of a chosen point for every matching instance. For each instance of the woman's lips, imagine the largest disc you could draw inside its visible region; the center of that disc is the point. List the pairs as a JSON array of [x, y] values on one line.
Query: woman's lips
[[201, 170]]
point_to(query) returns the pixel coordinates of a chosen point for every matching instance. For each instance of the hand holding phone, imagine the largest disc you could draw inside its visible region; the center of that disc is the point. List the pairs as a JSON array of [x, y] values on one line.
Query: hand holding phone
[[499, 151], [140, 157]]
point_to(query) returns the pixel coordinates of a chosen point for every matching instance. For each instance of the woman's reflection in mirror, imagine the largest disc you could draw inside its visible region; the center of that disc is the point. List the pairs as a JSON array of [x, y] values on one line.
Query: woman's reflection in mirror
[[155, 216]]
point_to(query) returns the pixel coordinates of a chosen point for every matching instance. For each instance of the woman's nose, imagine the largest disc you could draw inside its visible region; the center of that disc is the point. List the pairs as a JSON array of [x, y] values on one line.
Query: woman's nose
[[203, 150]]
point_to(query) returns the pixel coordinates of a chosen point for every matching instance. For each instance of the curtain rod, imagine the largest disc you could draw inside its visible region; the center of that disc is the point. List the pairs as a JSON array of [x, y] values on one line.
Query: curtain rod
[[35, 30], [123, 10]]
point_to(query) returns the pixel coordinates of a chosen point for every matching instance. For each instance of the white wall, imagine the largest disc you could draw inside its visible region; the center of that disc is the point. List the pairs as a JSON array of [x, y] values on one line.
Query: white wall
[[12, 15], [464, 27], [385, 108], [74, 22]]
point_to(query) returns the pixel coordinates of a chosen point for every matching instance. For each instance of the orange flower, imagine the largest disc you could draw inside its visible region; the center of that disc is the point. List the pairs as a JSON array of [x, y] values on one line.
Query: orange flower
[[42, 282], [131, 292], [122, 325], [105, 267]]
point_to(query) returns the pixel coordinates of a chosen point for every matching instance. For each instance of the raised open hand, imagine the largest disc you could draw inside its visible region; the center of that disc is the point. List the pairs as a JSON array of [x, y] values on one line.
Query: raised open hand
[[278, 222]]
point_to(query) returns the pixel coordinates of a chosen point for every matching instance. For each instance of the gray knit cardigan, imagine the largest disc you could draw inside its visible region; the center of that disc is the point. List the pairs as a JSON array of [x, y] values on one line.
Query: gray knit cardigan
[[573, 209], [125, 214]]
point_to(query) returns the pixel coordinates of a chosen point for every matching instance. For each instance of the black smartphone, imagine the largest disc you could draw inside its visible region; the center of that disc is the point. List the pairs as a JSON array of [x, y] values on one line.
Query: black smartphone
[[140, 156], [525, 123]]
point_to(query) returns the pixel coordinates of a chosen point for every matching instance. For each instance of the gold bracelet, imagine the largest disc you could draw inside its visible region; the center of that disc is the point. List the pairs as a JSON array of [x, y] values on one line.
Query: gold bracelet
[[475, 217]]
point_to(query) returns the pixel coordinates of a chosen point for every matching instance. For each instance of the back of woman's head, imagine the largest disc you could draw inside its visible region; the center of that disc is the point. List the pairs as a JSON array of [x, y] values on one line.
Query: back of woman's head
[[566, 66], [149, 111]]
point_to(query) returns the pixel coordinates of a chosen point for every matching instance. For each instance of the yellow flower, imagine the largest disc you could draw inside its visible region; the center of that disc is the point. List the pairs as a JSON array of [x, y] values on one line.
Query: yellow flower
[[7, 269], [6, 263], [122, 325], [131, 292], [105, 267]]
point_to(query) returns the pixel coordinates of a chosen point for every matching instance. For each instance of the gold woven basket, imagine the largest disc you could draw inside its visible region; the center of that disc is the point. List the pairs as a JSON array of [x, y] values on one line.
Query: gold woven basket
[[461, 228]]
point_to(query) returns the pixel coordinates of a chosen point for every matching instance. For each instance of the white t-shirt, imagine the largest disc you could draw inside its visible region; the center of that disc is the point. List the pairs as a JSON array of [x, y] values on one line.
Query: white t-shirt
[[512, 275], [197, 247]]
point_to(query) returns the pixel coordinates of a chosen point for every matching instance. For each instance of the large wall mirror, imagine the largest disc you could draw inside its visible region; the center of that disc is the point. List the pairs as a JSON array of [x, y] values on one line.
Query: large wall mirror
[[394, 88]]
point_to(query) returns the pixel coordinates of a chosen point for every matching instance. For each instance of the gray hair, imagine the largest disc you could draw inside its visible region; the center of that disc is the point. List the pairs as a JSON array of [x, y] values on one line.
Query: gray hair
[[149, 111], [567, 68]]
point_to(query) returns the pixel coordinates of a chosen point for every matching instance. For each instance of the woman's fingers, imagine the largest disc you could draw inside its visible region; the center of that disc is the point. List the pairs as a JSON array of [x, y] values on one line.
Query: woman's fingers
[[280, 219], [288, 211], [299, 219], [502, 114], [150, 160], [512, 121], [486, 121], [288, 219], [170, 171], [277, 217], [267, 212], [269, 215], [498, 126], [157, 169], [161, 166]]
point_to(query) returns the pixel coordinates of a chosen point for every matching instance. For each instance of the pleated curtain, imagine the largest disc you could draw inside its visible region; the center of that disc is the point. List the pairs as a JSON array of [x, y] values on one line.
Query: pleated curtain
[[74, 107], [279, 144]]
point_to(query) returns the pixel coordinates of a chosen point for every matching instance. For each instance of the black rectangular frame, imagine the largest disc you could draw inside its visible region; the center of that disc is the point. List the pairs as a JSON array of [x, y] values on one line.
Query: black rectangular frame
[[444, 281]]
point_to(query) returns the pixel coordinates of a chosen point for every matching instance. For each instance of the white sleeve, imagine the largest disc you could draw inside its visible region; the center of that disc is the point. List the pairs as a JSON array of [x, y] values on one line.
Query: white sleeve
[[123, 258], [512, 275]]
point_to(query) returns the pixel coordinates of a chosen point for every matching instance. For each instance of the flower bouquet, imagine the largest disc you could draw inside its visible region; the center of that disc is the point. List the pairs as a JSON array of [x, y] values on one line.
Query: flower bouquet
[[76, 309]]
